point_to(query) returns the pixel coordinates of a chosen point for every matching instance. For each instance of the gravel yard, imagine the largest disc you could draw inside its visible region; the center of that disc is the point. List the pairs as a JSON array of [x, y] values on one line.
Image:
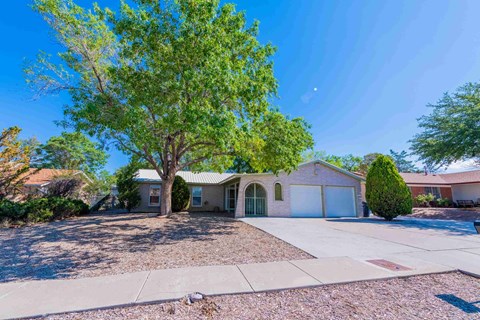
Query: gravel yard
[[117, 243], [441, 296], [463, 214]]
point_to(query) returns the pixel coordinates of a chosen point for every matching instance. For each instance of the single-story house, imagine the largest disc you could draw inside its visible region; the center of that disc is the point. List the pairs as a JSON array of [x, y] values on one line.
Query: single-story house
[[454, 186], [315, 189], [37, 180]]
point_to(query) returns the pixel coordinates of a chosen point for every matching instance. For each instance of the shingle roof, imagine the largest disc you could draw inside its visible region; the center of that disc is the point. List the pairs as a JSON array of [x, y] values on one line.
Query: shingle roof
[[462, 177], [150, 175], [443, 178], [38, 177], [421, 178]]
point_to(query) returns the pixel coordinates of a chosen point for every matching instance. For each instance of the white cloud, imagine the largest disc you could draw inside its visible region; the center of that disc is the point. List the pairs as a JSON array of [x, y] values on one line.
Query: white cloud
[[462, 166]]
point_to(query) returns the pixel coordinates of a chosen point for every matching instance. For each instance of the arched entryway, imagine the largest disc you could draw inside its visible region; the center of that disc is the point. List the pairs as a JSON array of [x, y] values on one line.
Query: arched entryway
[[255, 200]]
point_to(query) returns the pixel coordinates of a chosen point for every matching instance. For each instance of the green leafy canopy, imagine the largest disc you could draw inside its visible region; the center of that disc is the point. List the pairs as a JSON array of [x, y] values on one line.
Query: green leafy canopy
[[180, 84], [73, 151], [452, 131]]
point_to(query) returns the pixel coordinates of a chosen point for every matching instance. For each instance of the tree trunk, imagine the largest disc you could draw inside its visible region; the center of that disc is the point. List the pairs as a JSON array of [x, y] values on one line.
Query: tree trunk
[[166, 200]]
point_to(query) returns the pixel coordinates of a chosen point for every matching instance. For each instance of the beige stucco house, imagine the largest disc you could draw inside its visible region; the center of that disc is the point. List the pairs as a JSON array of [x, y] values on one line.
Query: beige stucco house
[[315, 189]]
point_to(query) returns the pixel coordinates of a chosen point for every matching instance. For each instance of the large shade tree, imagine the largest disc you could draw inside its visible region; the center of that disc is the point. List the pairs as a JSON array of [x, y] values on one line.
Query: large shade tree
[[348, 162], [74, 151], [402, 162], [180, 84], [451, 132]]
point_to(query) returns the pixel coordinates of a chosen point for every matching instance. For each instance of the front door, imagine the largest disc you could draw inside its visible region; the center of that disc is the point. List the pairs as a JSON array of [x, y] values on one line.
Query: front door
[[231, 195], [255, 200]]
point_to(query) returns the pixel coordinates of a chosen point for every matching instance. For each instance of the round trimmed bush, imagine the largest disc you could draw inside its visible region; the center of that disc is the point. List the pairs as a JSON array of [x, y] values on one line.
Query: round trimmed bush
[[387, 194], [180, 194]]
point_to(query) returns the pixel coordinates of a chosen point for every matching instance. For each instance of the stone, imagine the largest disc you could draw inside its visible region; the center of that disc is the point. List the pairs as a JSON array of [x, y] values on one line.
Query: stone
[[192, 298]]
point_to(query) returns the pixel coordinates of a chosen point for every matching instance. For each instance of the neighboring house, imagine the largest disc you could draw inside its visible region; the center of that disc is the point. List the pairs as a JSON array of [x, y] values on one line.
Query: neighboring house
[[37, 180], [454, 186], [315, 189]]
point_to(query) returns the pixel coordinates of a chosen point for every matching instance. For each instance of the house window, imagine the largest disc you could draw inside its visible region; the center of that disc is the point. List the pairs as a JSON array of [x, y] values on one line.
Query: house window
[[154, 198], [278, 192], [196, 196], [433, 190]]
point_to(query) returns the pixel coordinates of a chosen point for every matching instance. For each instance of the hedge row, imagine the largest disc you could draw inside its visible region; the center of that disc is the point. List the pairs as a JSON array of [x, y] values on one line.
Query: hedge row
[[42, 209]]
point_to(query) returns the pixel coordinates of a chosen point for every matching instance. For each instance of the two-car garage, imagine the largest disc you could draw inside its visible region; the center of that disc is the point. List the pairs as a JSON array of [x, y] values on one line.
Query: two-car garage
[[322, 201]]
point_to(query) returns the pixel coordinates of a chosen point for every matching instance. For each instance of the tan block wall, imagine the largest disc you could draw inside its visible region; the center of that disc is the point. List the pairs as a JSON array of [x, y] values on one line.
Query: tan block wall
[[304, 176]]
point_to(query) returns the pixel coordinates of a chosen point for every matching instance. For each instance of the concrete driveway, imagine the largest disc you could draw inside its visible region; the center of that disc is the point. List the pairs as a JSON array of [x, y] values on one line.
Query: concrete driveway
[[410, 242]]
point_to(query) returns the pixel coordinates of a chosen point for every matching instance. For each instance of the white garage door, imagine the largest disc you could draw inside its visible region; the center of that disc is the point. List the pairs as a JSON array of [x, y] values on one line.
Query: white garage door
[[340, 202], [306, 201]]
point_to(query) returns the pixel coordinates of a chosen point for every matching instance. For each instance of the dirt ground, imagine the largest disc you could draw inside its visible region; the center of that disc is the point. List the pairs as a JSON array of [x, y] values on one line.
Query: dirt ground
[[460, 214], [106, 244], [441, 296]]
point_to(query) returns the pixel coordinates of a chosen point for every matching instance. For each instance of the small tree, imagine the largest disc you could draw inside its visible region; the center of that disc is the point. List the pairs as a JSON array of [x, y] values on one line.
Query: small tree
[[14, 162], [65, 187], [180, 194], [387, 194], [128, 193]]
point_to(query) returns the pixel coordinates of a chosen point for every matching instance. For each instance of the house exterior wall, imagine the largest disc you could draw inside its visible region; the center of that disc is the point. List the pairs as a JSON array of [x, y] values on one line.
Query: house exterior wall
[[363, 191], [417, 191], [469, 191], [445, 192], [308, 174], [212, 194], [144, 189]]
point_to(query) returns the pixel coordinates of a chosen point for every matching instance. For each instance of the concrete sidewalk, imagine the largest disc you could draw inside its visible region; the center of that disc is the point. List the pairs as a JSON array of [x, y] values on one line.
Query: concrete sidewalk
[[36, 298]]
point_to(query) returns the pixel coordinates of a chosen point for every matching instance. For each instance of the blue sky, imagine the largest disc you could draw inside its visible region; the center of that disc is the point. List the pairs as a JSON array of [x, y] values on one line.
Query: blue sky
[[375, 66]]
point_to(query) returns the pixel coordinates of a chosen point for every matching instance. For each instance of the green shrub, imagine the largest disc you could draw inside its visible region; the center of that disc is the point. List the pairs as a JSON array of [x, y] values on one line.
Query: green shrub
[[424, 200], [42, 209], [64, 208], [180, 194], [387, 194], [445, 202], [128, 188], [12, 210], [42, 215]]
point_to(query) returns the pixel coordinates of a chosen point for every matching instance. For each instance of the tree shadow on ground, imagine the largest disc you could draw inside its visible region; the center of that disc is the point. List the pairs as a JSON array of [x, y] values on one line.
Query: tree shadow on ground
[[450, 228], [465, 306], [459, 214], [67, 248]]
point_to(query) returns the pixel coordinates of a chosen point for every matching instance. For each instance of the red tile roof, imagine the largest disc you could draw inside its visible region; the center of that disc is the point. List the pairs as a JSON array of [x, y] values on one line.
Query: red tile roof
[[443, 178], [43, 176]]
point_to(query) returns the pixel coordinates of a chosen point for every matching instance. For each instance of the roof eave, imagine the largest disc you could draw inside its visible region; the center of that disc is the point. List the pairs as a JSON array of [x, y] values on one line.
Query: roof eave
[[334, 167]]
